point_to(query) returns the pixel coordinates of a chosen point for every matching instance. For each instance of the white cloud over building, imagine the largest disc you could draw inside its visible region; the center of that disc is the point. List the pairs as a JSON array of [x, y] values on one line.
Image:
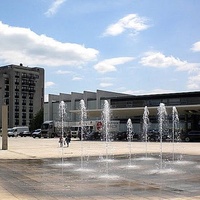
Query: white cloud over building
[[23, 45]]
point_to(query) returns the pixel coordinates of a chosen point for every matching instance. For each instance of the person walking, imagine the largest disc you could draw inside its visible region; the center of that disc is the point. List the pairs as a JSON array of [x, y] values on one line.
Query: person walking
[[68, 138], [61, 141]]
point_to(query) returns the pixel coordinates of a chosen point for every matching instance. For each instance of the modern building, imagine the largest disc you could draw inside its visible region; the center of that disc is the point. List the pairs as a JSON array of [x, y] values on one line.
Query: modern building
[[22, 89], [125, 106]]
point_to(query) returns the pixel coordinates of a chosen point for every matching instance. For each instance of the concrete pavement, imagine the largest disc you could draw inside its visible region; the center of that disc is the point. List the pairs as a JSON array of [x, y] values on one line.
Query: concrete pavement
[[30, 148], [40, 169]]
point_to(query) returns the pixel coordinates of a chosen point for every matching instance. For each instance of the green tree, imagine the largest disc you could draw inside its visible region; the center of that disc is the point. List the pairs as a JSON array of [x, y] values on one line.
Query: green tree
[[37, 120]]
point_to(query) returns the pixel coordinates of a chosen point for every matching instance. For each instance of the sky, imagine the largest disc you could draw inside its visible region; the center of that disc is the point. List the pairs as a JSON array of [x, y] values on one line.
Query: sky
[[128, 46]]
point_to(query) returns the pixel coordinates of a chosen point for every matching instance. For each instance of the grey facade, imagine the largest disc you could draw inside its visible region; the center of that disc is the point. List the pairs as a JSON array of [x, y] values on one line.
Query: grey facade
[[125, 106], [22, 89], [93, 101]]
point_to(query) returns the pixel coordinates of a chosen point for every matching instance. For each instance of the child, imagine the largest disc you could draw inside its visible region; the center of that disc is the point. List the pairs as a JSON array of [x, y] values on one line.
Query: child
[[61, 141]]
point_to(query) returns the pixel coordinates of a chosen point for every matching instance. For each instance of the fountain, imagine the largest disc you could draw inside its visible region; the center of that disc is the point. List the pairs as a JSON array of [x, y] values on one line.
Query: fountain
[[106, 115], [145, 126], [142, 176], [175, 126], [83, 116], [106, 124], [162, 114], [62, 113], [129, 135]]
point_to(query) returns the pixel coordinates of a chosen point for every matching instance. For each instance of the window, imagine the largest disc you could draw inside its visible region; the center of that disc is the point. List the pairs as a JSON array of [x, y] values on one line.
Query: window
[[16, 122], [16, 94], [23, 108], [6, 94], [17, 74], [24, 102], [16, 108], [17, 101], [174, 101]]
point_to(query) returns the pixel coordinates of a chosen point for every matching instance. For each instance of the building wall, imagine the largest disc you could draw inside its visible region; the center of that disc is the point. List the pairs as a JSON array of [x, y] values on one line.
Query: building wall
[[22, 89], [73, 103], [129, 106]]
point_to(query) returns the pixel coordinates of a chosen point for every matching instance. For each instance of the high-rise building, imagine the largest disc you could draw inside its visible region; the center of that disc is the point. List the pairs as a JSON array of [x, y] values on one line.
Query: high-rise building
[[22, 89]]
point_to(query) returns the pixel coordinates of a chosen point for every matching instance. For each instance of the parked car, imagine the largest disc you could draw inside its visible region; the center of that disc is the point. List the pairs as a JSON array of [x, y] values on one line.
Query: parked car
[[190, 136], [154, 135], [93, 136], [36, 133], [25, 133], [15, 131], [120, 136], [10, 132], [124, 136]]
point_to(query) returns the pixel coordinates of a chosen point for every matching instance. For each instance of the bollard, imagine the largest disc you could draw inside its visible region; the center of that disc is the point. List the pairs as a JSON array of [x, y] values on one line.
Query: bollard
[[4, 127]]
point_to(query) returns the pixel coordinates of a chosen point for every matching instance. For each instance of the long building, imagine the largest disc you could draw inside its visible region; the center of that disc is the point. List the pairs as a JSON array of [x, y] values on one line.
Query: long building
[[22, 89], [124, 106]]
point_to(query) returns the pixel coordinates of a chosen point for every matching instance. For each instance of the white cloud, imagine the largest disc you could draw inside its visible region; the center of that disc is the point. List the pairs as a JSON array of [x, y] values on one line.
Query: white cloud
[[54, 7], [131, 21], [159, 60], [196, 46], [77, 78], [49, 84], [105, 84], [109, 65], [21, 45], [63, 72], [194, 82]]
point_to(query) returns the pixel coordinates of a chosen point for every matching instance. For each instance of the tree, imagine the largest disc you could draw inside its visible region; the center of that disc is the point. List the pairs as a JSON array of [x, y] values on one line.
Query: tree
[[37, 120]]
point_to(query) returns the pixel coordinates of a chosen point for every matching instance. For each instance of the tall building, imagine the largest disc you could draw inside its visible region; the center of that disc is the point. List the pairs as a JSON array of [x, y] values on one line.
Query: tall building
[[22, 89]]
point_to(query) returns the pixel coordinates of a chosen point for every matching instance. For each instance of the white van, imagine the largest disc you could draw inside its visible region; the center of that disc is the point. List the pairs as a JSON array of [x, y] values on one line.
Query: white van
[[15, 131]]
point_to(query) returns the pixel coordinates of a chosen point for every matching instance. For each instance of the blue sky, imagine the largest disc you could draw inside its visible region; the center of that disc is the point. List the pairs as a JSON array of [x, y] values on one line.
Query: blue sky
[[128, 46]]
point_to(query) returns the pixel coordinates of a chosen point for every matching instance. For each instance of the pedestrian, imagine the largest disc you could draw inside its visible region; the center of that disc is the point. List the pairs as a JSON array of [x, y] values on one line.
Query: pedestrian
[[68, 138], [61, 141]]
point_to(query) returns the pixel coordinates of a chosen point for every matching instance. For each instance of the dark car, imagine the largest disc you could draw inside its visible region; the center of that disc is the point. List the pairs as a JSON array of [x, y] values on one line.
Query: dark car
[[154, 135], [125, 136], [25, 133], [191, 136], [120, 136], [36, 133], [93, 136]]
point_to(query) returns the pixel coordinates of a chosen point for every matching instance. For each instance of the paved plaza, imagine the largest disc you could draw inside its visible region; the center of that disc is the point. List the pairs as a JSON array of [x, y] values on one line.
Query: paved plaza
[[39, 169]]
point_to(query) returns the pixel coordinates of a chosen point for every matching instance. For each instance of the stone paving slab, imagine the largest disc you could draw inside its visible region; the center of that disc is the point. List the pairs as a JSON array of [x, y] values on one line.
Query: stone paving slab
[[39, 169]]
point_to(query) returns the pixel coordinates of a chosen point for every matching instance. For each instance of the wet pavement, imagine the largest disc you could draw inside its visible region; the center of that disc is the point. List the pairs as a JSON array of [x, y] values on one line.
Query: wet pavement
[[39, 169]]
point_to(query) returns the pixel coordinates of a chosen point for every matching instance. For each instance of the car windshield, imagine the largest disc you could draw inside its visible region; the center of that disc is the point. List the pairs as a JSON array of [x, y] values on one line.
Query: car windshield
[[45, 126], [74, 128]]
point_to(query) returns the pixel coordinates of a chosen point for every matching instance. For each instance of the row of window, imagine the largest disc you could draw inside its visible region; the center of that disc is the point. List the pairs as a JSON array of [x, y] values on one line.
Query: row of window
[[24, 102], [154, 102], [24, 109], [23, 122], [26, 75], [24, 95], [17, 120], [24, 82]]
